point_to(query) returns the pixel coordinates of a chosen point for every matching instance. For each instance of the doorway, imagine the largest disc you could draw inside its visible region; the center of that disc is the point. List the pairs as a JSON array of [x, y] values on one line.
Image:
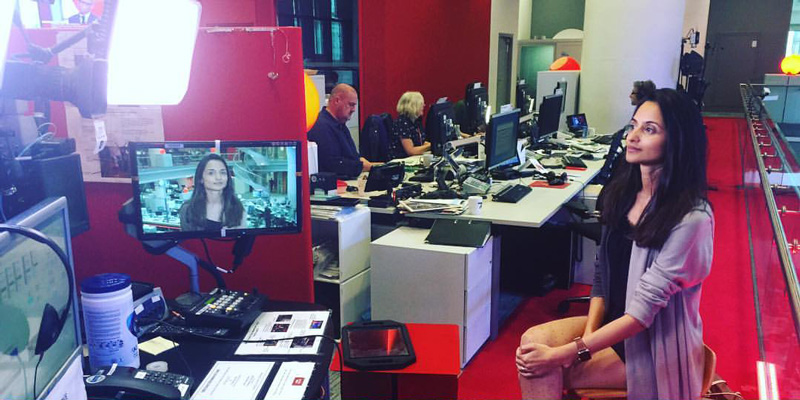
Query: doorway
[[732, 60], [504, 54]]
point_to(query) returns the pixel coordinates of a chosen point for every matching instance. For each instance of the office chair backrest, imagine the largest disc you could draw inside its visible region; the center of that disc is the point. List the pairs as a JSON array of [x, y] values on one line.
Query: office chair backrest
[[375, 139], [614, 151]]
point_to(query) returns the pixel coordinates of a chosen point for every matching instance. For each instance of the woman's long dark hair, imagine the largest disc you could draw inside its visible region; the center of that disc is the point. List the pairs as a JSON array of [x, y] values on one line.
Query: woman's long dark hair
[[681, 184], [195, 208]]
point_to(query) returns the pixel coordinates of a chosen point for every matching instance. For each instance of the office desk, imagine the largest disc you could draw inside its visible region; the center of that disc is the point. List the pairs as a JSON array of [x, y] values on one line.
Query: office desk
[[533, 211], [195, 356]]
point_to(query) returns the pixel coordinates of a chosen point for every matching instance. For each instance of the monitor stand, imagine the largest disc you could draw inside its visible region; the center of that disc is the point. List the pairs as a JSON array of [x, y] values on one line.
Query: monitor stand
[[383, 201], [509, 173]]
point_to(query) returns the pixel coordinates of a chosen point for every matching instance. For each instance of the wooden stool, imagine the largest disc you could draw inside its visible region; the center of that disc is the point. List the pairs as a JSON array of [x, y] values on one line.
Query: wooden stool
[[708, 375]]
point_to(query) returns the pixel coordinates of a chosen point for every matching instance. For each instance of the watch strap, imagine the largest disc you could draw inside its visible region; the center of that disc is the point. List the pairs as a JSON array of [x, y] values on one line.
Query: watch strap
[[583, 352]]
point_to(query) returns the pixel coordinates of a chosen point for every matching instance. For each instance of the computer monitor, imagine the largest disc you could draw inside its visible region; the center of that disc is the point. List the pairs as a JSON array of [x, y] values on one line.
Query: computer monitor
[[385, 177], [440, 126], [549, 118], [525, 99], [179, 188], [32, 276], [501, 140], [577, 123], [476, 101]]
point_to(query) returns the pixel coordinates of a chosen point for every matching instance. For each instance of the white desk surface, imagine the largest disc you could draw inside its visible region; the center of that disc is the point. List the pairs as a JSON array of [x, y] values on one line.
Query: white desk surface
[[534, 210]]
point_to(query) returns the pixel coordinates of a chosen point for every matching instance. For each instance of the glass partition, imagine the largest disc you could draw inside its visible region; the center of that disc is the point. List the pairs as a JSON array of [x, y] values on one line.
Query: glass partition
[[772, 194]]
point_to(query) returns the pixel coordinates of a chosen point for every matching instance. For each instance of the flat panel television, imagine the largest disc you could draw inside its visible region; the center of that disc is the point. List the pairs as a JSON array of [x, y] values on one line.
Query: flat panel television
[[216, 189]]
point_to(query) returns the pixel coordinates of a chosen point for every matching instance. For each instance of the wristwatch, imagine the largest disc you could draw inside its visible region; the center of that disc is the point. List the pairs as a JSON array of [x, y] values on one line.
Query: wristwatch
[[583, 351]]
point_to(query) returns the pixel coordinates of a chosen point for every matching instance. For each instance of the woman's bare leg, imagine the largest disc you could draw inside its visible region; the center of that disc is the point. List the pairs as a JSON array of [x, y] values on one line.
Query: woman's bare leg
[[549, 384]]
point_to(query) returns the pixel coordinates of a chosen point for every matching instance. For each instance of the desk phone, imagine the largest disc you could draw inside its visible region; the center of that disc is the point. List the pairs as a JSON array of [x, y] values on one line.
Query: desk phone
[[222, 308], [110, 382]]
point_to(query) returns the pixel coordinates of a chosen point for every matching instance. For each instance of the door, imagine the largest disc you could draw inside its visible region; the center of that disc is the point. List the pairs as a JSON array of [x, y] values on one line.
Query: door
[[504, 53], [732, 58]]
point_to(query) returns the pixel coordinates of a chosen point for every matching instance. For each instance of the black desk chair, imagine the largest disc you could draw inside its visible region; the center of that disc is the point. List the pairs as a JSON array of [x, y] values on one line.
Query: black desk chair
[[593, 229]]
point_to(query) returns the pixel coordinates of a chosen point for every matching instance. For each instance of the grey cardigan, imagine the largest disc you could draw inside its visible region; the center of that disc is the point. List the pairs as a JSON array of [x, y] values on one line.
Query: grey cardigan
[[666, 360]]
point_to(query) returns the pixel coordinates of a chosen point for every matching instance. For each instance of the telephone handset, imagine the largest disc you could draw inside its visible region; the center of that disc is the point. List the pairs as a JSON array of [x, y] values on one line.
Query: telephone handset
[[109, 382]]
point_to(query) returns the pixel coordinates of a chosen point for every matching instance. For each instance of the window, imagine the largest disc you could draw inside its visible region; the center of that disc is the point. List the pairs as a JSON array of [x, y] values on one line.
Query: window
[[330, 36]]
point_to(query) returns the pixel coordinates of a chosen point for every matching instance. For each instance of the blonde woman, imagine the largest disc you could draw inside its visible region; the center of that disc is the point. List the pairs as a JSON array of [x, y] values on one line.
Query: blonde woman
[[407, 132]]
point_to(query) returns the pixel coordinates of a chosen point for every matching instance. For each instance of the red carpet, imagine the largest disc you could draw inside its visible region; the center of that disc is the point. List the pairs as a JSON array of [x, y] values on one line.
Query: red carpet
[[727, 304]]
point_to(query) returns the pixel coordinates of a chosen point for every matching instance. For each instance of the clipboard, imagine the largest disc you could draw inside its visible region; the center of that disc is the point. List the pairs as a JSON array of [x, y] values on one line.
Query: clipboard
[[455, 232]]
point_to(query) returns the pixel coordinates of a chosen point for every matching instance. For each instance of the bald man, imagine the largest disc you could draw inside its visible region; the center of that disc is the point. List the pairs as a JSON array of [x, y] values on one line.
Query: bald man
[[336, 151]]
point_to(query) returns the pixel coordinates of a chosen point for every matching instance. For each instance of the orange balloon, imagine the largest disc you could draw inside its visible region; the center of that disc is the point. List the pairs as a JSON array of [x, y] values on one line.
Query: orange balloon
[[565, 63], [791, 65], [312, 102]]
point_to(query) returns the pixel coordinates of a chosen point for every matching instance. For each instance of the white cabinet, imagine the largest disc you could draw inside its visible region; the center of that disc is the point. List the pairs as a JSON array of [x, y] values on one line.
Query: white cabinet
[[413, 281], [349, 231]]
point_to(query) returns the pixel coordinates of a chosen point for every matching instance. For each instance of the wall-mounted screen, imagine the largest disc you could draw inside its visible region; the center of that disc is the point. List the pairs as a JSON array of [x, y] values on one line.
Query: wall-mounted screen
[[216, 189]]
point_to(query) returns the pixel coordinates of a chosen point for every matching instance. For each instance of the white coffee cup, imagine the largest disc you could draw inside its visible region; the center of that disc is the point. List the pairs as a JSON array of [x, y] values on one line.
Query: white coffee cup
[[427, 160], [474, 205]]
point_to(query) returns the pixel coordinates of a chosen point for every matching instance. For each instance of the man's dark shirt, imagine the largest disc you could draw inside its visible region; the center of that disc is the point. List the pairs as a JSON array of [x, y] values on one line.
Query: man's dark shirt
[[336, 151]]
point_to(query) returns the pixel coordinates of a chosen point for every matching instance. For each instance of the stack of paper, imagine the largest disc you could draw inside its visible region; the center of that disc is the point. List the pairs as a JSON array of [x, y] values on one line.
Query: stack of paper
[[454, 206], [284, 332]]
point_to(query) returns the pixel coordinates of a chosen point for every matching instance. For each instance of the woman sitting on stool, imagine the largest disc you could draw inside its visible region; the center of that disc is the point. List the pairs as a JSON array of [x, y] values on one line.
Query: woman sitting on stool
[[643, 332]]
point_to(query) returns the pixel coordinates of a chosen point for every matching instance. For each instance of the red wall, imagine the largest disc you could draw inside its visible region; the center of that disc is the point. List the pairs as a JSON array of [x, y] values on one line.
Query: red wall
[[230, 97], [435, 47], [238, 13]]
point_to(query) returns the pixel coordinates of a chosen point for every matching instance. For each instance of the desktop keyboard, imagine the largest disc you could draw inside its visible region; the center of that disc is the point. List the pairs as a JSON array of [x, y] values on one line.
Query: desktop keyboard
[[511, 193], [572, 161]]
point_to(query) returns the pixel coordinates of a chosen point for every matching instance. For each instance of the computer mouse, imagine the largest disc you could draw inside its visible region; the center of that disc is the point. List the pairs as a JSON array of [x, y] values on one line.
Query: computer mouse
[[587, 156]]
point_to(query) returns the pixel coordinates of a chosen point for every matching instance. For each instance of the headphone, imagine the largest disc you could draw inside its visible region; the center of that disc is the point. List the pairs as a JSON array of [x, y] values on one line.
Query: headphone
[[556, 180], [52, 321]]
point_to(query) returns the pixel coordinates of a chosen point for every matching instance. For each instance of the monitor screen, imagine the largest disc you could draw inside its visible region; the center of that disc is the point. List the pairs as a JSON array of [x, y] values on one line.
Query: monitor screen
[[31, 276], [501, 140], [440, 126], [382, 342], [549, 117], [385, 176], [216, 189], [524, 99], [476, 102], [577, 122]]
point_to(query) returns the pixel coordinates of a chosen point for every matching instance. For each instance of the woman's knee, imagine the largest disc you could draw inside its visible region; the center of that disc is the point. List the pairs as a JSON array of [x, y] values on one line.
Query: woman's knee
[[554, 333]]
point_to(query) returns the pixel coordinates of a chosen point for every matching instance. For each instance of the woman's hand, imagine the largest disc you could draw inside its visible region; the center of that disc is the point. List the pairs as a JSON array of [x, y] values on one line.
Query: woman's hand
[[534, 359]]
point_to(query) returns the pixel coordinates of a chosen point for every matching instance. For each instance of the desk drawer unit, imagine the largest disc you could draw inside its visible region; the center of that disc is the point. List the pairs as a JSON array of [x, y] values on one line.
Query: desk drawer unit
[[416, 282]]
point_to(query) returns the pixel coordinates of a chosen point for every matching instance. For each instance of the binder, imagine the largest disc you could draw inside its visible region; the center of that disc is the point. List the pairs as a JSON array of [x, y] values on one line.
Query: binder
[[455, 232]]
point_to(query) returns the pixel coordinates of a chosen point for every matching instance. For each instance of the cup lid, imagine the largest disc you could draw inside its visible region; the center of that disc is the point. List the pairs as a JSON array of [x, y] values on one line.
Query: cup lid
[[105, 283]]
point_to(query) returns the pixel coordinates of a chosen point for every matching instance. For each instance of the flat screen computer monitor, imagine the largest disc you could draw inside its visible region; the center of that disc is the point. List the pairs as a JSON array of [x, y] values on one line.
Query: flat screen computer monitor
[[385, 177], [178, 186], [501, 140], [549, 117], [525, 100], [577, 123], [31, 276], [476, 101], [439, 126]]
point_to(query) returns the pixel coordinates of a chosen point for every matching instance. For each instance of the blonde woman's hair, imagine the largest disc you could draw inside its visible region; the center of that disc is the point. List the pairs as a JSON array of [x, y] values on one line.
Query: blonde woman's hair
[[410, 104]]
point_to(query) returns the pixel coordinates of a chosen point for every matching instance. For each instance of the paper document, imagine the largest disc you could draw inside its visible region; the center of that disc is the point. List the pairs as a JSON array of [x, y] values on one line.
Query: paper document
[[291, 381], [421, 205], [234, 380], [279, 332]]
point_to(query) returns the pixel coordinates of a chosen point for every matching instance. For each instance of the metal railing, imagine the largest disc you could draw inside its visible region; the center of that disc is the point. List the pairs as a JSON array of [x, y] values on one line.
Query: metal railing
[[771, 187]]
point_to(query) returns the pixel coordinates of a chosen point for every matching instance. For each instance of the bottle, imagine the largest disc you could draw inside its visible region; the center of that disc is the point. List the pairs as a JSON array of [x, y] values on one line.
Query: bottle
[[107, 302]]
